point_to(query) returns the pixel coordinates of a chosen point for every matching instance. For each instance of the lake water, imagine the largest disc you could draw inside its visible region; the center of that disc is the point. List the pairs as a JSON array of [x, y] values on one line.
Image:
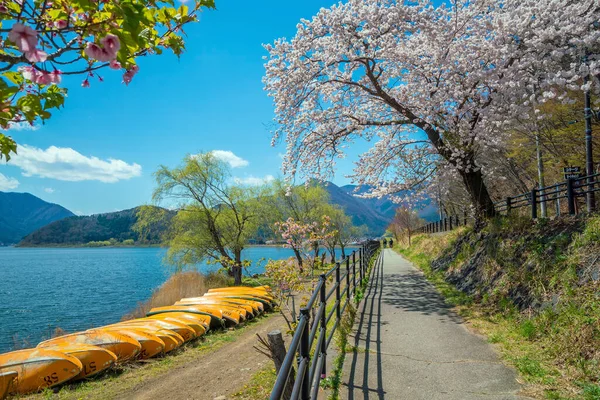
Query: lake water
[[78, 288]]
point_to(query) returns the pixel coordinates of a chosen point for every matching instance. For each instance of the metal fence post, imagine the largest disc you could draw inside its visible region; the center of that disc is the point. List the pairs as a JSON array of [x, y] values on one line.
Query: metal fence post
[[534, 202], [305, 353], [323, 349], [450, 223], [508, 205], [457, 220], [338, 296], [465, 216], [360, 261], [445, 224], [571, 196], [354, 273], [347, 278]]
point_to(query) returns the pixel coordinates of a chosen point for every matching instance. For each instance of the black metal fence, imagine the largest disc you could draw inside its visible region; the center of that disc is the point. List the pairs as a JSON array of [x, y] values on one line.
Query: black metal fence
[[568, 191], [346, 276]]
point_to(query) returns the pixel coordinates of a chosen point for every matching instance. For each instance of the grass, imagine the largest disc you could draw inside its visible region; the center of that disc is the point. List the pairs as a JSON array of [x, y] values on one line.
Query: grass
[[554, 346], [116, 381], [260, 385], [178, 286]]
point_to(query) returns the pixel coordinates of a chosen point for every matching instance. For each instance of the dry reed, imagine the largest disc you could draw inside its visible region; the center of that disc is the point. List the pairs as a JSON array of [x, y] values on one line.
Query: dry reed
[[178, 286]]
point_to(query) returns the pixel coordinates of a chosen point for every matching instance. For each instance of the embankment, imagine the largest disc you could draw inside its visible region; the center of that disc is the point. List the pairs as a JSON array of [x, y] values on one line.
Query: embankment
[[533, 288]]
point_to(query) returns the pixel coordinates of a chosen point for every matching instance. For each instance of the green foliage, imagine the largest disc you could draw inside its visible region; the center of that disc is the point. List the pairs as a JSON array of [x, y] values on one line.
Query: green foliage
[[94, 229], [215, 220]]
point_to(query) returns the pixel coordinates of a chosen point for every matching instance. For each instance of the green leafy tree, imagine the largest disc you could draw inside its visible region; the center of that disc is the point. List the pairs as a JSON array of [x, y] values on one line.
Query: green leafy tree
[[215, 219], [41, 41], [305, 205]]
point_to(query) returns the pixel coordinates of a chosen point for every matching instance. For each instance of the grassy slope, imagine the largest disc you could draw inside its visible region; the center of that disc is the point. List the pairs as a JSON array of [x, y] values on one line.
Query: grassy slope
[[554, 344]]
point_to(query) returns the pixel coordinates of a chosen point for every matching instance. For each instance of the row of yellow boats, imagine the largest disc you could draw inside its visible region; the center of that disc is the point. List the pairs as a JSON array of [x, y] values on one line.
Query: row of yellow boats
[[83, 354]]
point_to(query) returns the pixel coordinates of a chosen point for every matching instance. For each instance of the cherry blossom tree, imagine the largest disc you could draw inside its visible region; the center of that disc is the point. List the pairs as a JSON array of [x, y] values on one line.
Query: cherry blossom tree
[[44, 40], [432, 87]]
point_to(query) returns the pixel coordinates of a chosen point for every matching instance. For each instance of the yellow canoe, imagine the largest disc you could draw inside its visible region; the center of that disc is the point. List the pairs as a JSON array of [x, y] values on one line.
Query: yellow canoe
[[151, 344], [267, 304], [123, 346], [216, 317], [245, 309], [230, 316], [39, 368], [195, 325], [171, 339], [203, 320], [7, 381], [259, 294], [257, 306], [94, 359], [185, 331]]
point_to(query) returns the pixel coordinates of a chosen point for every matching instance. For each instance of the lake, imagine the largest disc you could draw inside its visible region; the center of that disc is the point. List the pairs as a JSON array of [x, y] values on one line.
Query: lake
[[79, 288]]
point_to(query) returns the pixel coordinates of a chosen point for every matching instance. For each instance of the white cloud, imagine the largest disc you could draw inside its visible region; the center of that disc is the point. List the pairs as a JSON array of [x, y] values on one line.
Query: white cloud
[[254, 180], [230, 158], [7, 183], [66, 164], [22, 126], [49, 190]]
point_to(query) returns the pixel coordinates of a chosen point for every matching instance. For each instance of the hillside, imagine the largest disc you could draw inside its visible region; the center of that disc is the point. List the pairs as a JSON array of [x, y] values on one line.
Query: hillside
[[94, 228], [23, 213], [376, 214]]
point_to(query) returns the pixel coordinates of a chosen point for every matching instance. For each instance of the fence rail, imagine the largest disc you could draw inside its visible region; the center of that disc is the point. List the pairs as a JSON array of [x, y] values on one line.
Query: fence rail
[[571, 189], [310, 370]]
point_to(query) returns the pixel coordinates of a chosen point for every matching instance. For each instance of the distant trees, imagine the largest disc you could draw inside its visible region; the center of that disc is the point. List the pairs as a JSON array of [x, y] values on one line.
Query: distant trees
[[215, 218], [405, 222]]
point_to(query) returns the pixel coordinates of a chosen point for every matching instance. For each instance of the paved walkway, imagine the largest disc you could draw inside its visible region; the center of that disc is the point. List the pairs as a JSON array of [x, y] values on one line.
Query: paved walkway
[[410, 345]]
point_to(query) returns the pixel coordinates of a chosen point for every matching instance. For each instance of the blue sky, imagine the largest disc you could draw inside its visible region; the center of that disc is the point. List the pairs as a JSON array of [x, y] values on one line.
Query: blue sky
[[211, 98]]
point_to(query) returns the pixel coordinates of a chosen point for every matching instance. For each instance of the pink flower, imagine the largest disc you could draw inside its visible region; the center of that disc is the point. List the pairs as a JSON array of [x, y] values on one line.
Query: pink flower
[[43, 78], [29, 73], [111, 44], [3, 9], [24, 37], [60, 24], [85, 83], [128, 76], [55, 76], [36, 55], [108, 53], [114, 64]]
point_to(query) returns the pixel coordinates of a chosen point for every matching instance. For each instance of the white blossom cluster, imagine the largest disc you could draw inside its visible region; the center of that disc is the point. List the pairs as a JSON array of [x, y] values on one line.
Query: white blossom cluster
[[431, 87]]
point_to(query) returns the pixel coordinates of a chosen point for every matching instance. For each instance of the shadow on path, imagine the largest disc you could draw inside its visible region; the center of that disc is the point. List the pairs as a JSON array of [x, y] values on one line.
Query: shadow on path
[[367, 339]]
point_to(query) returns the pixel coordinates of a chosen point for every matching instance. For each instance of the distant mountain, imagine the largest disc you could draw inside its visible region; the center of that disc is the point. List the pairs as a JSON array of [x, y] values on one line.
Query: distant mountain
[[425, 208], [108, 228], [376, 214], [23, 213]]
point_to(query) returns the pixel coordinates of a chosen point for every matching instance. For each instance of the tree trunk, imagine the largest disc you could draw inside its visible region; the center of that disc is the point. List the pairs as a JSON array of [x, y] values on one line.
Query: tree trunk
[[343, 248], [299, 258], [278, 353], [237, 275], [480, 197]]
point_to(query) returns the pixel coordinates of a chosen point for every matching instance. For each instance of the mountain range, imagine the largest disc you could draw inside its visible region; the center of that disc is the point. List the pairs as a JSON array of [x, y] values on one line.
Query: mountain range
[[23, 213], [30, 221]]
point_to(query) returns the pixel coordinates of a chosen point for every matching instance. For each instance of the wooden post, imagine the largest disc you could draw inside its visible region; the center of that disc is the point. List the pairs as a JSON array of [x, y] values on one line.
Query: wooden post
[[571, 196], [278, 352], [534, 203]]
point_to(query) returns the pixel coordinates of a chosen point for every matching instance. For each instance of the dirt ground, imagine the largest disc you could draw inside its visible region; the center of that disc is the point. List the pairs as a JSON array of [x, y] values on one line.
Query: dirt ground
[[214, 375]]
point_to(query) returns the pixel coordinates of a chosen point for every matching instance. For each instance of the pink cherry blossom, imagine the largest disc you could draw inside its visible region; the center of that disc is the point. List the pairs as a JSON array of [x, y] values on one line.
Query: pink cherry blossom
[[60, 24], [55, 76], [85, 83], [36, 55], [128, 75], [24, 37], [111, 44], [114, 64]]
